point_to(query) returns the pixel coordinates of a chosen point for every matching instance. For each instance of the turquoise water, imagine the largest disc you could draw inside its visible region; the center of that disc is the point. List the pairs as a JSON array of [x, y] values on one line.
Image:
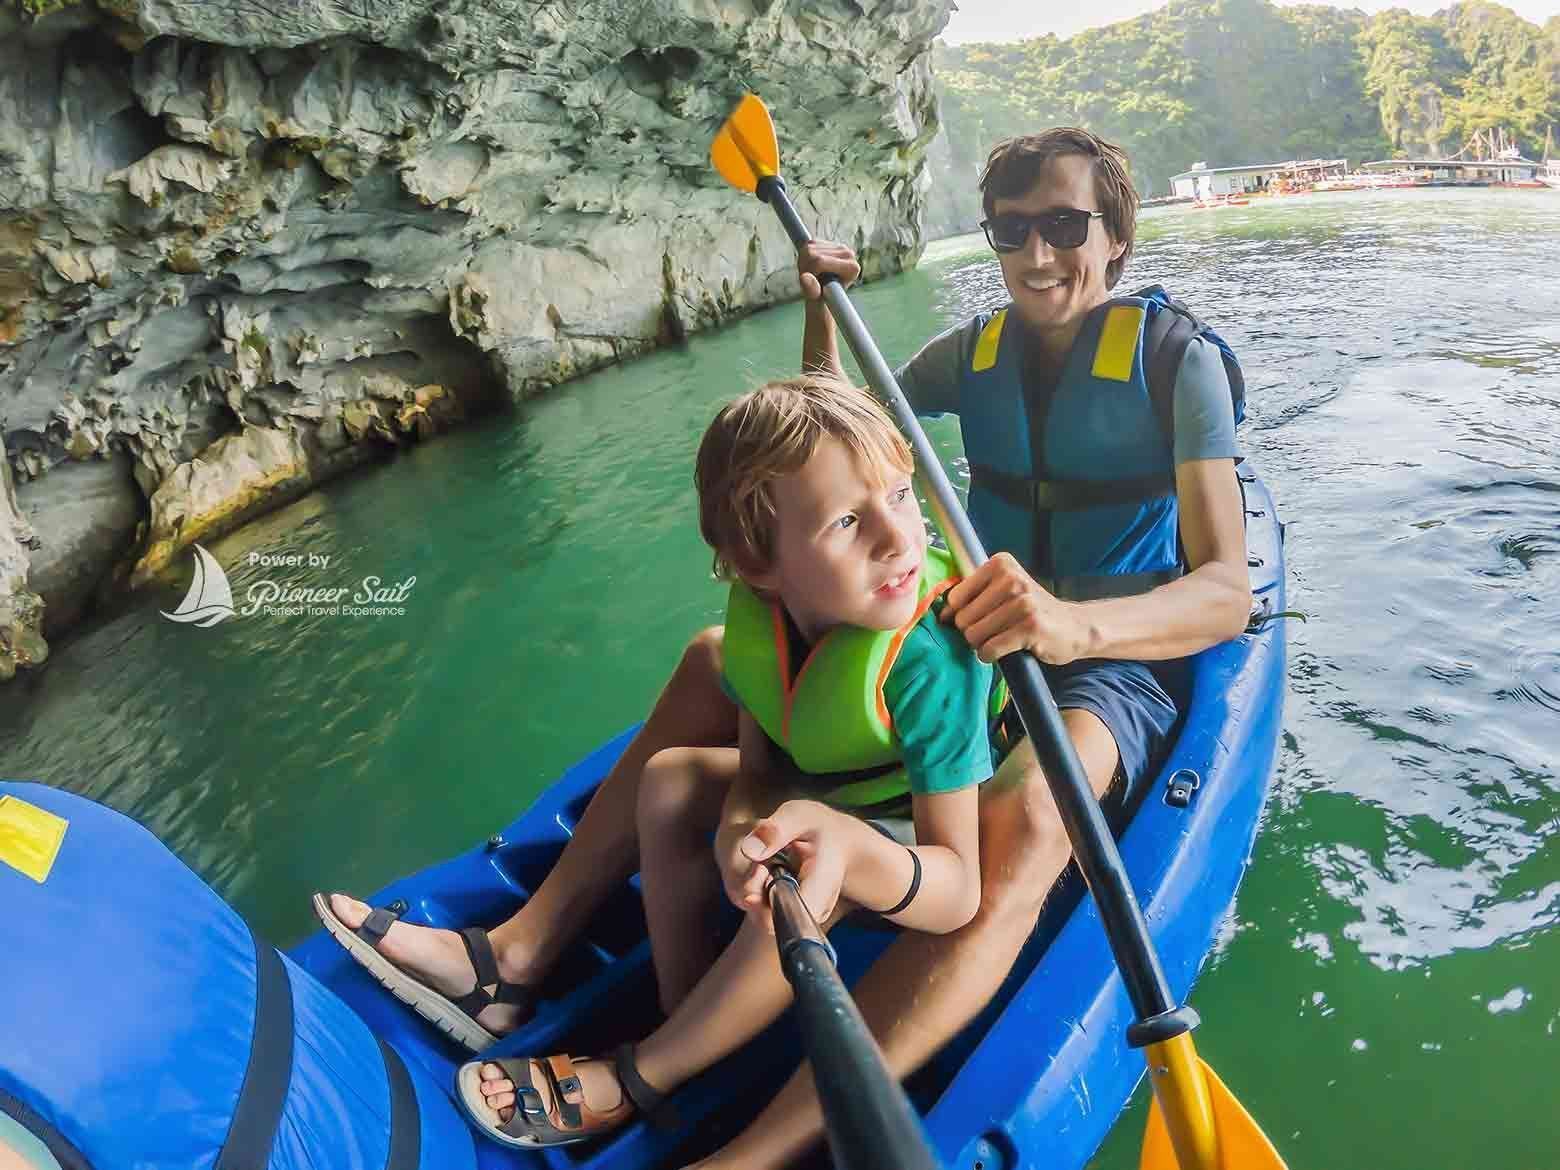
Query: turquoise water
[[1387, 992]]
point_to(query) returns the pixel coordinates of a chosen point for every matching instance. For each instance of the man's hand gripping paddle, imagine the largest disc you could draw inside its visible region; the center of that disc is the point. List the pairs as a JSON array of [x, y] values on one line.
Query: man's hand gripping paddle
[[1195, 1123]]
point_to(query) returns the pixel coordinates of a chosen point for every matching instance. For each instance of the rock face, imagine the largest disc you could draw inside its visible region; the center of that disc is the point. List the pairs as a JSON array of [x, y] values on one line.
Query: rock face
[[243, 246]]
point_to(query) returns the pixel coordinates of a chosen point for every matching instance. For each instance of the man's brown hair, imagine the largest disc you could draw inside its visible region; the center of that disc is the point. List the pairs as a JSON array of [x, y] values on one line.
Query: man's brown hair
[[772, 432], [1015, 164]]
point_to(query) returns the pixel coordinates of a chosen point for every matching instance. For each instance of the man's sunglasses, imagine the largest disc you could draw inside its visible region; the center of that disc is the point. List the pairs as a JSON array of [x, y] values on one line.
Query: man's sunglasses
[[1061, 229]]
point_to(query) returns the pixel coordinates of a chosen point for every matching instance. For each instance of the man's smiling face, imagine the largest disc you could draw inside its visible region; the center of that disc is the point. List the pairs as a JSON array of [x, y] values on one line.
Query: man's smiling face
[[1054, 288]]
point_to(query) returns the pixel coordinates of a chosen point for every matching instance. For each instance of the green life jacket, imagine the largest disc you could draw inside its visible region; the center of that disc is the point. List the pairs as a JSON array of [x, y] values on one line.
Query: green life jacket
[[832, 723]]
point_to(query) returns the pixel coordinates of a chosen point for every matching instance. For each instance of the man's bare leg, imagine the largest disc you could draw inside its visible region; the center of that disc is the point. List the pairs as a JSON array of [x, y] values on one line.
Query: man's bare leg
[[691, 711], [926, 987], [680, 800]]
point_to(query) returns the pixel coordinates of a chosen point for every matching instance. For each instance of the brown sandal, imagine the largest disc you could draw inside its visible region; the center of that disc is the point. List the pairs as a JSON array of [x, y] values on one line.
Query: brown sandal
[[568, 1120]]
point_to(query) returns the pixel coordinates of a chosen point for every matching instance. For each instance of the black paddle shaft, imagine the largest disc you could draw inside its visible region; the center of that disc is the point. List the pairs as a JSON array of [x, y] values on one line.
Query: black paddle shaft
[[870, 1122], [1158, 1017]]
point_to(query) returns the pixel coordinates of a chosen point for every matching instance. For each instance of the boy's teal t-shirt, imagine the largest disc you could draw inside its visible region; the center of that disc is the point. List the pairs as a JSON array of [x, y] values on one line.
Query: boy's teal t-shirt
[[938, 695]]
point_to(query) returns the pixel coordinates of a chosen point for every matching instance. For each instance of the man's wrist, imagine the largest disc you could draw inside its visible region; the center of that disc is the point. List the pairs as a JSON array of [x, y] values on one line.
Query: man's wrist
[[1090, 633]]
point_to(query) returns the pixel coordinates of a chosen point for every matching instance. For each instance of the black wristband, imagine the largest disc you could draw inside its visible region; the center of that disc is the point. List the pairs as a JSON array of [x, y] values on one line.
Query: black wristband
[[915, 888]]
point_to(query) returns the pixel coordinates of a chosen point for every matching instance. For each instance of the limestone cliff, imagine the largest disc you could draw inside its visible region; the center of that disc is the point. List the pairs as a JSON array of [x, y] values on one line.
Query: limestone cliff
[[244, 246]]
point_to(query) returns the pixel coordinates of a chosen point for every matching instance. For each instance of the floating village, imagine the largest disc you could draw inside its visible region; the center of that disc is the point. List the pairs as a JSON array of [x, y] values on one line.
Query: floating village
[[1489, 159]]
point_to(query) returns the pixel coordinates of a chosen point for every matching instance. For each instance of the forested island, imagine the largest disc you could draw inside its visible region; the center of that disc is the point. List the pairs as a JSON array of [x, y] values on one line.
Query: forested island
[[1238, 81]]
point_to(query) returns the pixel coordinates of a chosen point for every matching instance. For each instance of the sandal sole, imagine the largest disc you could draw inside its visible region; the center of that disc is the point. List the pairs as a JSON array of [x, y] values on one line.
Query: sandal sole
[[426, 1002]]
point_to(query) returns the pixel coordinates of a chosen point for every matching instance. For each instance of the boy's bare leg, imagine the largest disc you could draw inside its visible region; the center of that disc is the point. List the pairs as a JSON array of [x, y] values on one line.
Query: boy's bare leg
[[927, 987], [691, 711], [680, 800], [741, 995]]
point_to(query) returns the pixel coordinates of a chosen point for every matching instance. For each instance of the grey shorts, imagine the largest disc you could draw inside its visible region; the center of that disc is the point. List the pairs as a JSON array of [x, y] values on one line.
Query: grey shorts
[[1128, 698]]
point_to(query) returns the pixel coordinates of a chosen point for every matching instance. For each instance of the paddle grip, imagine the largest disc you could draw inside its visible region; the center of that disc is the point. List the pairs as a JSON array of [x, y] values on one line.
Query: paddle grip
[[869, 1119], [1093, 846]]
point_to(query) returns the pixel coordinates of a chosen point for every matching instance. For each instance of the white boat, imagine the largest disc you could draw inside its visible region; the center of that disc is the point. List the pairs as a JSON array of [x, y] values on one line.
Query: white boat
[[1550, 175]]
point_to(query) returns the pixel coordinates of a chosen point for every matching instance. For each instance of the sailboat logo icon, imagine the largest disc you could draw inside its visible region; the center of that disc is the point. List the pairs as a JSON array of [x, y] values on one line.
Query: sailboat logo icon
[[210, 599]]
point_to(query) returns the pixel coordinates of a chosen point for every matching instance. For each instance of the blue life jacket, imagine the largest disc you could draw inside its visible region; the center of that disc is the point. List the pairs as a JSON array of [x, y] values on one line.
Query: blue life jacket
[[1096, 516]]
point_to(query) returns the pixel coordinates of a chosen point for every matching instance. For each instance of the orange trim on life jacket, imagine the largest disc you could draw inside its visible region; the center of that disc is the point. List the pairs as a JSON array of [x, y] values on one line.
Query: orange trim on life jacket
[[897, 644]]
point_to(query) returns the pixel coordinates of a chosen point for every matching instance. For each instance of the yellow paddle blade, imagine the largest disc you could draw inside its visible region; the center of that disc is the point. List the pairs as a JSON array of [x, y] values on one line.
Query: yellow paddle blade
[[746, 149], [1238, 1140]]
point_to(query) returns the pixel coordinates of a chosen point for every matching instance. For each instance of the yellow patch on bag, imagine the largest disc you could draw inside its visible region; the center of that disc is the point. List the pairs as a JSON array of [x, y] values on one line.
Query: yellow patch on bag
[[30, 837], [1118, 343]]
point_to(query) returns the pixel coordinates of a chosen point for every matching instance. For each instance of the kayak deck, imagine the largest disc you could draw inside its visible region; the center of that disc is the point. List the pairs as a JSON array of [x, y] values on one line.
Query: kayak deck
[[1037, 1079]]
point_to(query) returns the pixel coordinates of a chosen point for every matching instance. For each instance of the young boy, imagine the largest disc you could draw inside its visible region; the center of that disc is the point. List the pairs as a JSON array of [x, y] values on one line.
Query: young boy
[[855, 702]]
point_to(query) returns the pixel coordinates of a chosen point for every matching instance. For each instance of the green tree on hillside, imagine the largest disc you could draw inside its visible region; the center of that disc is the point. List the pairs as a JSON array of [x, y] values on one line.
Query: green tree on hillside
[[1406, 56]]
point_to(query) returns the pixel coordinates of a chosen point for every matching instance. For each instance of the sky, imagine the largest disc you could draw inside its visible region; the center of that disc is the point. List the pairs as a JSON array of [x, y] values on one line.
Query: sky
[[1013, 20]]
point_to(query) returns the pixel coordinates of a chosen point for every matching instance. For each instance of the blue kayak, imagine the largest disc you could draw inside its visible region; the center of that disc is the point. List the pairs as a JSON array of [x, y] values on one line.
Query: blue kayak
[[213, 1050], [1042, 1075]]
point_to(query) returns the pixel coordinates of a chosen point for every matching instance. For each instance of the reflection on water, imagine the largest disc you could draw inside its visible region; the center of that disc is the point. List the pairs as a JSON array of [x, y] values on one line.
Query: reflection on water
[[1393, 938]]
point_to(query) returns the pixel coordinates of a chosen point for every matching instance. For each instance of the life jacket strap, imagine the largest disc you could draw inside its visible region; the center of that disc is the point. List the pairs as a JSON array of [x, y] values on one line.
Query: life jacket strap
[[1070, 495], [860, 789], [1099, 586]]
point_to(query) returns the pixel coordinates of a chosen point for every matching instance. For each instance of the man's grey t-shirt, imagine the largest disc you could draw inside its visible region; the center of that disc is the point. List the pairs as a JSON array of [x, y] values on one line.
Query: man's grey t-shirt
[[1204, 416]]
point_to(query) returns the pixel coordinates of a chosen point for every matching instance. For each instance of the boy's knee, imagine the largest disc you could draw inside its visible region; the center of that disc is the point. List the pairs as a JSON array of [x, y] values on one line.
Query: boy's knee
[[703, 651], [669, 785], [1021, 863]]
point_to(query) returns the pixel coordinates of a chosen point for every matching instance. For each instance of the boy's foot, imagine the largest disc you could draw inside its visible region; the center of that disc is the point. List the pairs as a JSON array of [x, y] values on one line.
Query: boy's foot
[[559, 1100], [453, 979]]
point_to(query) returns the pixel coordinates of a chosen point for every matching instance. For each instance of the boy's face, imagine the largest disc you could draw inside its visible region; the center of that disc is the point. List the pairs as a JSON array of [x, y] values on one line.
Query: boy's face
[[1054, 288], [848, 544]]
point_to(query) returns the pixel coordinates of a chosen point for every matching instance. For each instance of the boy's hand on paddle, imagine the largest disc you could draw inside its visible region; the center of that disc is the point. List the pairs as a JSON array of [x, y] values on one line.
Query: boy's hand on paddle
[[821, 258], [809, 835], [999, 608]]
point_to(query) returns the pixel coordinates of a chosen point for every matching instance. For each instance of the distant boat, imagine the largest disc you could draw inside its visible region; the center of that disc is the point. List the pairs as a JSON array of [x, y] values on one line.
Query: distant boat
[[1550, 176], [210, 599]]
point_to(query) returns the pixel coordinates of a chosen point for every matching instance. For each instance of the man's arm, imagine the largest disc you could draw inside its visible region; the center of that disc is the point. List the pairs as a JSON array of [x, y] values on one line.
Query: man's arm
[[929, 380], [820, 342], [820, 338], [1210, 604]]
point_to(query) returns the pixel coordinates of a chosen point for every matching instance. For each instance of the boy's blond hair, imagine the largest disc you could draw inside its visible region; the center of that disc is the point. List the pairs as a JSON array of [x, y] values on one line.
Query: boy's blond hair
[[772, 432]]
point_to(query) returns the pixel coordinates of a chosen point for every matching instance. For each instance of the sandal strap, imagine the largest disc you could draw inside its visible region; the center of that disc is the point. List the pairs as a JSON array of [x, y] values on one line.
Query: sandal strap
[[378, 923], [485, 964], [652, 1104], [528, 1102], [483, 961], [562, 1078]]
